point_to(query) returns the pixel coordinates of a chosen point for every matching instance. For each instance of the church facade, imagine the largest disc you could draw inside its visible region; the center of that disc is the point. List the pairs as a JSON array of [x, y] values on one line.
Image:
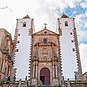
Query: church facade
[[45, 60]]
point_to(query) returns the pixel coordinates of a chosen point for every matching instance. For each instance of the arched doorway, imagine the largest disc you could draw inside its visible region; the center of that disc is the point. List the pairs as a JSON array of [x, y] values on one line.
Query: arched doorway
[[45, 76]]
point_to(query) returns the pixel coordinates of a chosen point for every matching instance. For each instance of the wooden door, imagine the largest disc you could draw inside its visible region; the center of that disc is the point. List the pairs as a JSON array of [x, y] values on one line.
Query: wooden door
[[45, 76]]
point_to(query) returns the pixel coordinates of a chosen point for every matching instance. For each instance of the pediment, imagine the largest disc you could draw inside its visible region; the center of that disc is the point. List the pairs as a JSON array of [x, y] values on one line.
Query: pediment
[[45, 32]]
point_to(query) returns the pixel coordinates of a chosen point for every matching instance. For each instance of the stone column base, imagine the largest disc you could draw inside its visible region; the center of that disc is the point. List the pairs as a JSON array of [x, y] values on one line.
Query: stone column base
[[34, 82], [55, 82]]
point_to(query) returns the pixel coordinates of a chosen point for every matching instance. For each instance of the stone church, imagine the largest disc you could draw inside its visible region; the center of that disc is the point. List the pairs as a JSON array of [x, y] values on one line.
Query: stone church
[[46, 57], [6, 50], [46, 63]]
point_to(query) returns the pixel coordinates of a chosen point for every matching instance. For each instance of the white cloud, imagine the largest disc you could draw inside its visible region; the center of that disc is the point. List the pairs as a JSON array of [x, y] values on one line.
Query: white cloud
[[83, 55], [84, 4], [81, 25], [82, 35], [80, 20], [71, 3]]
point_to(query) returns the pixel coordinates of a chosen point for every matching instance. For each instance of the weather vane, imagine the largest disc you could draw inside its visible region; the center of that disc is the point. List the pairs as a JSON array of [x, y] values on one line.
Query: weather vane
[[45, 25]]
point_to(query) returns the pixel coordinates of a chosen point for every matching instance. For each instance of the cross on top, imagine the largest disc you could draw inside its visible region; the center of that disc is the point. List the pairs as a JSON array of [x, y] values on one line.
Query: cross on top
[[45, 25]]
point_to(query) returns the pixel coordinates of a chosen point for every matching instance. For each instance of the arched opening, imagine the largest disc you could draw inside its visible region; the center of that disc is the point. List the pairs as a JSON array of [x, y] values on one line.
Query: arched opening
[[45, 76], [24, 24], [66, 23]]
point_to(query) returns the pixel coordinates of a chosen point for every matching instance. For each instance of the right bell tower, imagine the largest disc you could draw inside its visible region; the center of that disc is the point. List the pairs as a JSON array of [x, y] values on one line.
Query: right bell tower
[[69, 51]]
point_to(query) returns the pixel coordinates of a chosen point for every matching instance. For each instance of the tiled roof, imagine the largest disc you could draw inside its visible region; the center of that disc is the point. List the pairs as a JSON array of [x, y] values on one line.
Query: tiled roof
[[64, 16], [27, 16]]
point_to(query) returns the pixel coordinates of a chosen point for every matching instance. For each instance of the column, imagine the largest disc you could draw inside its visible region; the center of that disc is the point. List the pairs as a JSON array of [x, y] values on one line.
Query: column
[[56, 71], [36, 70], [0, 63], [53, 71], [33, 71], [3, 65]]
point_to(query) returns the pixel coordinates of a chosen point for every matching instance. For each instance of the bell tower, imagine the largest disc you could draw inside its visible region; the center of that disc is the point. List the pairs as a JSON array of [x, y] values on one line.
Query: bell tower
[[69, 50], [22, 43]]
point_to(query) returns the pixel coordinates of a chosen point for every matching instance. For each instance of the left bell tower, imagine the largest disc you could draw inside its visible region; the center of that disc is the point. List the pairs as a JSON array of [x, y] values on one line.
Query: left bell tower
[[22, 43]]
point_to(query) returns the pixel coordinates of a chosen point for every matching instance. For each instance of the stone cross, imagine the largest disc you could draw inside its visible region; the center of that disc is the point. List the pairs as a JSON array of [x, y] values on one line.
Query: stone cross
[[45, 25]]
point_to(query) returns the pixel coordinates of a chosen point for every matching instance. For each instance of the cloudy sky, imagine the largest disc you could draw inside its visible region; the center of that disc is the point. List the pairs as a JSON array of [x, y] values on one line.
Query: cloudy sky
[[47, 11]]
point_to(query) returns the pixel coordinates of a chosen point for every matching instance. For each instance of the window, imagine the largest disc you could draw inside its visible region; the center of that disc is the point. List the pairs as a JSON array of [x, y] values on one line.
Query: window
[[66, 23], [44, 40], [73, 49], [24, 24], [18, 41], [86, 77], [71, 33], [72, 41], [0, 76], [18, 34], [16, 50], [45, 32]]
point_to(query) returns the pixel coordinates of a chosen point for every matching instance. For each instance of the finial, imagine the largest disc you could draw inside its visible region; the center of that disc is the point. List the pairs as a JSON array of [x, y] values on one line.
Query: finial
[[45, 25]]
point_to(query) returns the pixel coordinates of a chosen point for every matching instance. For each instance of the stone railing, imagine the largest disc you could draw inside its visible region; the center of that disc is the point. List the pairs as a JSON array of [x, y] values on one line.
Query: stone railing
[[25, 83], [73, 83]]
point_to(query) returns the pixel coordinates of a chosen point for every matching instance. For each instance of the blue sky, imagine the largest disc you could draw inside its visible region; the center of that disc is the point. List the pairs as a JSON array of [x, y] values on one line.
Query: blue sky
[[47, 11], [74, 12]]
